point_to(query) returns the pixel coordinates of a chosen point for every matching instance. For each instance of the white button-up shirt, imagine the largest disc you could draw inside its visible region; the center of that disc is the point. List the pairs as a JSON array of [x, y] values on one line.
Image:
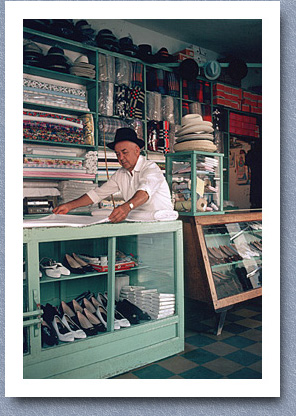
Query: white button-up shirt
[[146, 176]]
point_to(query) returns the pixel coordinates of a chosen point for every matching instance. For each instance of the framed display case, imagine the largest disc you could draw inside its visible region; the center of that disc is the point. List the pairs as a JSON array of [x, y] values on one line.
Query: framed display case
[[223, 259], [200, 171], [155, 251]]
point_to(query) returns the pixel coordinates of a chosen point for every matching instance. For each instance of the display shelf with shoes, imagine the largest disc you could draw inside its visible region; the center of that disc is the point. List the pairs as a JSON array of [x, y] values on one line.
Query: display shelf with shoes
[[115, 340], [229, 248]]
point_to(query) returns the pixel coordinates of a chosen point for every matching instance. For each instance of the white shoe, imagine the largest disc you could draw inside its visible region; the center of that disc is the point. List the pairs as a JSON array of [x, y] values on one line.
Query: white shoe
[[70, 324], [62, 331], [102, 315], [62, 269]]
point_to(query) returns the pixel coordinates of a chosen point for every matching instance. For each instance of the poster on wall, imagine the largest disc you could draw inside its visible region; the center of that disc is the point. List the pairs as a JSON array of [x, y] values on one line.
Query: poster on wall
[[242, 171]]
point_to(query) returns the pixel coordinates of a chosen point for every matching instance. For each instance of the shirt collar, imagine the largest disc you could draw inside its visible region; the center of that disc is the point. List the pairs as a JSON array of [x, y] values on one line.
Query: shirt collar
[[138, 165]]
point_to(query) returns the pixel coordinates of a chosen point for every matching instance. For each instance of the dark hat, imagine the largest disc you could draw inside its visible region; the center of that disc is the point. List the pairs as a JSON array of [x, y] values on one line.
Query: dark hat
[[189, 69], [145, 53], [126, 134], [127, 47], [163, 56], [237, 69]]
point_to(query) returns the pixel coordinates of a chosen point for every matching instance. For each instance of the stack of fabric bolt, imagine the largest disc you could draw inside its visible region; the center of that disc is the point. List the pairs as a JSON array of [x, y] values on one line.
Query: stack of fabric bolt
[[157, 305], [46, 91], [195, 134], [75, 189], [91, 162]]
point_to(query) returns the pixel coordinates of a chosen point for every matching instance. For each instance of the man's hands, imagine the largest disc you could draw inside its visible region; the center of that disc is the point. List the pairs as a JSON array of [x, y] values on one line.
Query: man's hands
[[119, 213], [62, 209]]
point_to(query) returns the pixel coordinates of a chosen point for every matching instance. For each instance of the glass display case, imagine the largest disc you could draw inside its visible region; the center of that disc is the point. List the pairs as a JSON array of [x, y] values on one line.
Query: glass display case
[[195, 181], [223, 259], [136, 269]]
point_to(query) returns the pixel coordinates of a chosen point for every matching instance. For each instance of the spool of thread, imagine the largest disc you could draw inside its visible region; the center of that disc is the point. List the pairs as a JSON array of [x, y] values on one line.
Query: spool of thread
[[201, 205]]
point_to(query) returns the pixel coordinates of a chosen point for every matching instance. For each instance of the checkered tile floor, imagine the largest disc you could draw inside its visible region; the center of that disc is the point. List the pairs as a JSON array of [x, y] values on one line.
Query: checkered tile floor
[[235, 354]]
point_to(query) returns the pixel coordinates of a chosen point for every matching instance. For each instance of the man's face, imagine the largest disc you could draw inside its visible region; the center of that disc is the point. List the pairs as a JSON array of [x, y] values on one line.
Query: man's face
[[127, 154]]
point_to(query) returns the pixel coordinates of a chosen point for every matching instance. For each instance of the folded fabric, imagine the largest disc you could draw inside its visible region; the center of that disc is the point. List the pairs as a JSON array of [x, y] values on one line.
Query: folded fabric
[[106, 68], [141, 215], [106, 98], [124, 72]]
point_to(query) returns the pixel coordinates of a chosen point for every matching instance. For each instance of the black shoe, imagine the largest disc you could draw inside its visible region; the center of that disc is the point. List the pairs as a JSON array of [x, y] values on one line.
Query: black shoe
[[48, 334], [131, 312]]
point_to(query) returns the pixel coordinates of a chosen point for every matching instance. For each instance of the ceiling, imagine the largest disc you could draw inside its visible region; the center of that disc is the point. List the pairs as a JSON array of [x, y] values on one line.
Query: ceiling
[[238, 37]]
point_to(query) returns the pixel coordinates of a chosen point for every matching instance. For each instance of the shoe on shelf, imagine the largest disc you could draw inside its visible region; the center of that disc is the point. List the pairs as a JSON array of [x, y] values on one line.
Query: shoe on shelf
[[49, 269], [86, 326], [102, 315], [89, 259], [89, 305], [71, 325], [102, 299], [123, 322], [86, 267], [48, 334], [62, 331], [74, 305], [72, 265], [94, 320], [48, 264]]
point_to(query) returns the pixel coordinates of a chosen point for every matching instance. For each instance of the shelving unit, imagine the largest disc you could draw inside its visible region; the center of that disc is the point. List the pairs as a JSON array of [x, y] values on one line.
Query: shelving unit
[[159, 247]]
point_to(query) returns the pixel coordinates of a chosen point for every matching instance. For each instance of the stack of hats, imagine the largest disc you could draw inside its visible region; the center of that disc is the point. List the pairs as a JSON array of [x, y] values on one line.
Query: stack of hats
[[84, 32], [106, 40], [127, 46], [55, 60], [64, 28], [82, 68], [32, 54], [195, 134]]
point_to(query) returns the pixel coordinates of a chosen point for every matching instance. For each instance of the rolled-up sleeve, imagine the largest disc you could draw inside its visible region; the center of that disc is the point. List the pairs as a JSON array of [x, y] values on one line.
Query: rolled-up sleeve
[[150, 181], [108, 188]]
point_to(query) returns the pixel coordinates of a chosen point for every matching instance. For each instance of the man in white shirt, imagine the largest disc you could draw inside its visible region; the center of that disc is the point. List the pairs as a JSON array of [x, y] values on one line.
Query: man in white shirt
[[140, 181]]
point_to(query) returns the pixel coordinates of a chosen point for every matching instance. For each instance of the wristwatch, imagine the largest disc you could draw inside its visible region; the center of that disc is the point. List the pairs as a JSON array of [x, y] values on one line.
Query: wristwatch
[[131, 205]]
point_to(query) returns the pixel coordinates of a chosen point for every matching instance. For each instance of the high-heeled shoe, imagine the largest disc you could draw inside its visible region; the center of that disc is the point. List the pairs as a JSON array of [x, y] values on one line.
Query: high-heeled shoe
[[89, 305], [119, 319], [102, 315], [62, 331], [86, 267], [99, 326], [71, 325], [102, 299], [87, 327], [48, 334], [72, 265], [123, 322]]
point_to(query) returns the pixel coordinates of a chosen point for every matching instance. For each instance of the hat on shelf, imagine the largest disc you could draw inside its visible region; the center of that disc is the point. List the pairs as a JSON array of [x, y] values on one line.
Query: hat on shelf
[[126, 134], [56, 60], [212, 70], [106, 40], [42, 25], [189, 69], [63, 27], [145, 53], [84, 32], [127, 46], [32, 54], [195, 134], [81, 67], [237, 69], [162, 56]]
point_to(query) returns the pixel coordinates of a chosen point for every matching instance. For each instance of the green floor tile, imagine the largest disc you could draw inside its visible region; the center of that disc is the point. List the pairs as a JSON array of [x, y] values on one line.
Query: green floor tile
[[245, 373], [200, 373], [153, 371], [239, 342], [244, 358], [200, 356], [199, 340]]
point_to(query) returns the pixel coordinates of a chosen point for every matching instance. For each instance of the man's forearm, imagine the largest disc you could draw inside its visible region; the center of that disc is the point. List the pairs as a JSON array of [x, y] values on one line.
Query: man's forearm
[[83, 201], [139, 198]]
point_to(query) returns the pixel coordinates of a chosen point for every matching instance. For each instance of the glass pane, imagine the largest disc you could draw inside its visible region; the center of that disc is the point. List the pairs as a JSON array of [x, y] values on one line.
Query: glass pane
[[235, 255], [207, 184]]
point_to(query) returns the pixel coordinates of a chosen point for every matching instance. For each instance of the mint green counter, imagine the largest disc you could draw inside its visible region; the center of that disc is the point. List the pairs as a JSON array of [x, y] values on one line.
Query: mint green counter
[[159, 249]]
